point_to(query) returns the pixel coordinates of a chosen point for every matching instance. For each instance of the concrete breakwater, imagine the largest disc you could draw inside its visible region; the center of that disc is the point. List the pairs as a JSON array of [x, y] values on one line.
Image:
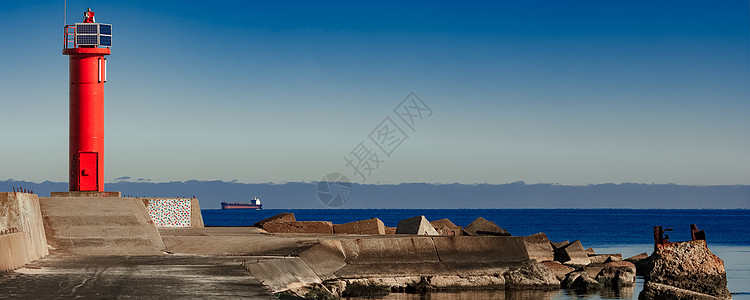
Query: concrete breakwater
[[113, 246], [435, 256]]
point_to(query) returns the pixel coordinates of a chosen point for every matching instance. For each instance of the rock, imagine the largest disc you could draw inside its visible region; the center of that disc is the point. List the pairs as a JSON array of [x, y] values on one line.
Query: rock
[[371, 226], [532, 275], [590, 251], [282, 217], [641, 261], [572, 254], [689, 266], [660, 291], [592, 270], [390, 230], [299, 227], [539, 247], [558, 269], [637, 258], [416, 225], [604, 258], [482, 226], [580, 282], [617, 274], [446, 227]]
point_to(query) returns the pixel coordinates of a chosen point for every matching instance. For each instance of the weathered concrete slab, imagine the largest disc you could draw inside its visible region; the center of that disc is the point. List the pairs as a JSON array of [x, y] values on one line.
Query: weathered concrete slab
[[325, 258], [282, 217], [539, 247], [480, 249], [446, 227], [134, 277], [283, 274], [100, 226], [390, 230], [323, 227], [416, 225], [572, 254], [370, 226], [482, 226], [13, 251]]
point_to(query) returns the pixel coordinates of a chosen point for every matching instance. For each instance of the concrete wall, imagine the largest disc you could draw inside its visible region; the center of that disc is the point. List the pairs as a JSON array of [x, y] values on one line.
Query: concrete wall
[[22, 237], [174, 212]]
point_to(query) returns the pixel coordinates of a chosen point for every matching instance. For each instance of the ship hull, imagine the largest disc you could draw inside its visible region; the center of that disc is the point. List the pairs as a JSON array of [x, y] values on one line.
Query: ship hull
[[225, 205]]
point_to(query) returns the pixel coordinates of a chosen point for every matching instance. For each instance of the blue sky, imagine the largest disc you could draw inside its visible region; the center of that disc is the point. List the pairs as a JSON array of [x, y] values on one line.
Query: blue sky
[[569, 92]]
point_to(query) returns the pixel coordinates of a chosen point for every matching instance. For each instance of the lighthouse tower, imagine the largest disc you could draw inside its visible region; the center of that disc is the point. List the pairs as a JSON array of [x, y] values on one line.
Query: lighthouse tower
[[87, 44]]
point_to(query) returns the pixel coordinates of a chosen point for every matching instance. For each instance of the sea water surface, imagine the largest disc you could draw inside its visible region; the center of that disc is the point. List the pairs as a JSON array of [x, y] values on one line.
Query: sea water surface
[[626, 231]]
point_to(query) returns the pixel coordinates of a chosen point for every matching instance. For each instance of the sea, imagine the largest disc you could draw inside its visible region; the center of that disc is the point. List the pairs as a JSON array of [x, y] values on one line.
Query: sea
[[625, 231]]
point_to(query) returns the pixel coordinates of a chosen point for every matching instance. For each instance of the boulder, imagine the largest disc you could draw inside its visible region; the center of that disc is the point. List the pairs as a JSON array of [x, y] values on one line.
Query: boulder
[[446, 227], [641, 262], [604, 258], [532, 275], [689, 266], [572, 254], [590, 251], [617, 274], [580, 282], [371, 226], [652, 290], [482, 226], [416, 225], [282, 217], [539, 247], [558, 269], [299, 227]]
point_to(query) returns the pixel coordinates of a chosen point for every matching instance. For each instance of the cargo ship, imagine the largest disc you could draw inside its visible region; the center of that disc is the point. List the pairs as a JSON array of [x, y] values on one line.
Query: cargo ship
[[254, 204]]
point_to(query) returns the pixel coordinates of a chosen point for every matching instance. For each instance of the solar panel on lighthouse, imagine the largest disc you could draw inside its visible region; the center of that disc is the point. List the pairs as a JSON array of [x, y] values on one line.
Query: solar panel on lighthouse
[[93, 34]]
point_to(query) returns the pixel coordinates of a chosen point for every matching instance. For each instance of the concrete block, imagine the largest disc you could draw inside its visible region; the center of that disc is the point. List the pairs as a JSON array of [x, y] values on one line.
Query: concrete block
[[21, 218], [590, 251], [446, 227], [572, 254], [299, 227], [325, 258], [371, 226], [283, 274], [482, 226], [13, 251], [417, 225], [539, 247], [390, 230], [196, 217], [480, 249], [559, 245], [406, 249], [282, 217], [605, 258]]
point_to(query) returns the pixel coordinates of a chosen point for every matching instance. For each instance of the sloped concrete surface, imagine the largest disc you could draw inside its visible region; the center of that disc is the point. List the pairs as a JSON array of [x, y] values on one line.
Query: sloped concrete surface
[[100, 226], [134, 277]]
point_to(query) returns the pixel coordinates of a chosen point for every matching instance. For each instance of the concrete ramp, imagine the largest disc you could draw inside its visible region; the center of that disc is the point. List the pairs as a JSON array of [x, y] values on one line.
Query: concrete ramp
[[100, 226]]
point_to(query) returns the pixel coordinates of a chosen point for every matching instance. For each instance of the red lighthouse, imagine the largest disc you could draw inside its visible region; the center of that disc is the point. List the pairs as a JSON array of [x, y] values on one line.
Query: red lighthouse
[[86, 44]]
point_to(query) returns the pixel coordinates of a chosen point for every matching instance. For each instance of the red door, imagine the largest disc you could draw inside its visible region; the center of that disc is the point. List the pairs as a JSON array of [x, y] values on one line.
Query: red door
[[87, 171]]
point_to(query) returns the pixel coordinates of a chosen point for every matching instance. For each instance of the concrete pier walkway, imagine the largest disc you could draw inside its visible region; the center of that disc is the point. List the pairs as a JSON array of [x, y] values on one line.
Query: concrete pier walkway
[[126, 277]]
